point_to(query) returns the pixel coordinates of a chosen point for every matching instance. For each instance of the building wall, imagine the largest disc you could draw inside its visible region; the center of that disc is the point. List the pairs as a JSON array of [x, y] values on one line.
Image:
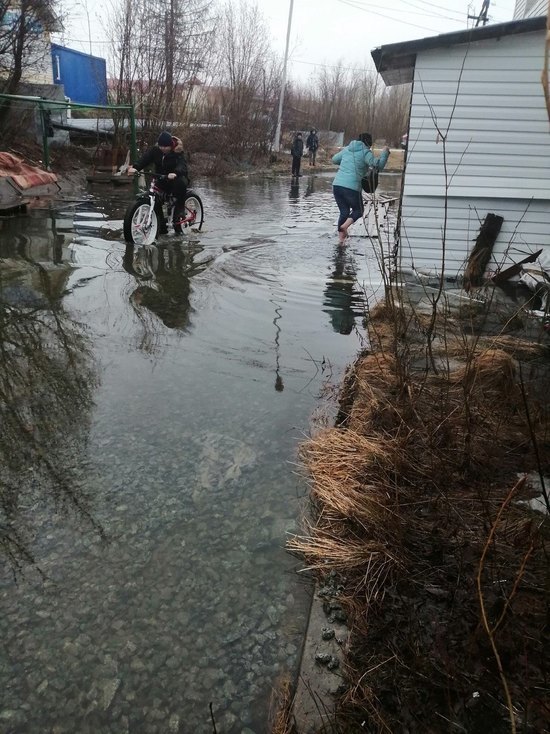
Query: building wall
[[39, 70], [37, 67], [530, 8], [84, 77], [487, 100], [524, 230], [36, 63]]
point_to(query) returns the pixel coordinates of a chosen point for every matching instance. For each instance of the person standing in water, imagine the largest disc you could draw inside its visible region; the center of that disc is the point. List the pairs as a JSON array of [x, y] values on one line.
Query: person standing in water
[[312, 143], [354, 162], [297, 151]]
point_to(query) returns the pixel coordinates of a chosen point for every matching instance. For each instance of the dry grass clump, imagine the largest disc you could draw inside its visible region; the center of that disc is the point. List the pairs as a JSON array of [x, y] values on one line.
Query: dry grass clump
[[415, 503], [515, 346], [385, 322], [281, 720], [352, 487]]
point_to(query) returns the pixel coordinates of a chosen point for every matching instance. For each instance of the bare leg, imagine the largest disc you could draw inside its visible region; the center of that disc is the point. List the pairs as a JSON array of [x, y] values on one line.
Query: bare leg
[[343, 230]]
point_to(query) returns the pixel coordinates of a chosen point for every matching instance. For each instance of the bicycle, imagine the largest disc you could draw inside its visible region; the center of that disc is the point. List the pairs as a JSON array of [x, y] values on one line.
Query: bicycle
[[141, 222]]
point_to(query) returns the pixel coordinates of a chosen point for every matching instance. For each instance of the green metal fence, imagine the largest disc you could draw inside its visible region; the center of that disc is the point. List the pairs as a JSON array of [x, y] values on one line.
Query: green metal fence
[[44, 105]]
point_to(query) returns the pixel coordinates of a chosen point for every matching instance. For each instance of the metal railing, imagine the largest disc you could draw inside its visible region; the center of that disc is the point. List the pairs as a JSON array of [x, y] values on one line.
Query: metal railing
[[44, 105]]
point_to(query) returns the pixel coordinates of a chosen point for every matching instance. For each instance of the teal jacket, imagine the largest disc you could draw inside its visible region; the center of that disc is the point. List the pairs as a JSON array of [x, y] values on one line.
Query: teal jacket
[[354, 161]]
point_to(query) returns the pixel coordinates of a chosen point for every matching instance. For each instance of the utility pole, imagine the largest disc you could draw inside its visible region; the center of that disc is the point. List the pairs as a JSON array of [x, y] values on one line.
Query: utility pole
[[84, 6], [170, 47], [482, 17], [277, 141]]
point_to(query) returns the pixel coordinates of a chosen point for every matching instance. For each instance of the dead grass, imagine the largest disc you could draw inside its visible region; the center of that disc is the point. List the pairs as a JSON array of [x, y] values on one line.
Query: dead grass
[[415, 503], [280, 714]]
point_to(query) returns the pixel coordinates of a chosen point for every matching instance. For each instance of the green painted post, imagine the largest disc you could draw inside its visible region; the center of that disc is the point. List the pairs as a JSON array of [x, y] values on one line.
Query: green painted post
[[77, 105], [45, 148]]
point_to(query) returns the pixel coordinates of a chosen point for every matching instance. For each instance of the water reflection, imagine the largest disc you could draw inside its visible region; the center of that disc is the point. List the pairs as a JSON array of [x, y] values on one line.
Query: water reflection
[[340, 295], [164, 274], [190, 462], [294, 192], [279, 386], [47, 378], [34, 238], [310, 188]]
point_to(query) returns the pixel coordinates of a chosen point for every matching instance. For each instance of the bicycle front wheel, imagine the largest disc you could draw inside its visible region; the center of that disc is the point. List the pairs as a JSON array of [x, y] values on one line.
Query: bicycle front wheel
[[138, 229]]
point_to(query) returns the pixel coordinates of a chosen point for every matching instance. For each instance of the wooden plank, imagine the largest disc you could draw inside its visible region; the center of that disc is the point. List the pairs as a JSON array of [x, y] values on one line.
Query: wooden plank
[[10, 196]]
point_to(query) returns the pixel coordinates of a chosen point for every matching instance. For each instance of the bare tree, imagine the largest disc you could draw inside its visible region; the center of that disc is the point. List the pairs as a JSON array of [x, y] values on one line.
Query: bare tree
[[392, 113], [24, 44], [22, 38], [248, 74], [350, 101], [331, 85], [159, 48]]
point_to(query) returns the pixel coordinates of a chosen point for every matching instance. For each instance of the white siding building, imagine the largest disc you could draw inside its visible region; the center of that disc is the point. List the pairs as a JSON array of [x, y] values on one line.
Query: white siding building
[[479, 143], [530, 8], [38, 22]]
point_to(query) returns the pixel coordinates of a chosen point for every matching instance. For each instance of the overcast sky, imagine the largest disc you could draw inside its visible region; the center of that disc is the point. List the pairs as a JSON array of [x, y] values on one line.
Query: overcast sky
[[323, 32]]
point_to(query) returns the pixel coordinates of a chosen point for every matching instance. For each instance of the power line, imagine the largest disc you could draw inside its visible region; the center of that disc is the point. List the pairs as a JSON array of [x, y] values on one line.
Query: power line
[[389, 17], [433, 5], [418, 10], [80, 40], [460, 16], [333, 66]]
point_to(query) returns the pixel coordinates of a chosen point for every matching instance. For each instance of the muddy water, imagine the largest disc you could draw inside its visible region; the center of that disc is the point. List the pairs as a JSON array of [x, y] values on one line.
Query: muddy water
[[152, 403]]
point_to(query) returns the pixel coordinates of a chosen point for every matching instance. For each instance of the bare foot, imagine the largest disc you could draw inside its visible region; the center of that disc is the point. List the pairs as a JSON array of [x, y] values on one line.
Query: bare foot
[[342, 234]]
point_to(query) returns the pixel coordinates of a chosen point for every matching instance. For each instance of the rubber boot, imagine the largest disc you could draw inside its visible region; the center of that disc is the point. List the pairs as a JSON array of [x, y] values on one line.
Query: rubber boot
[[161, 219]]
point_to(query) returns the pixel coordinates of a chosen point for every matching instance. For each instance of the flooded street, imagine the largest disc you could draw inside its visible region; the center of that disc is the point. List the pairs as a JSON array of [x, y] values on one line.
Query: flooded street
[[155, 402]]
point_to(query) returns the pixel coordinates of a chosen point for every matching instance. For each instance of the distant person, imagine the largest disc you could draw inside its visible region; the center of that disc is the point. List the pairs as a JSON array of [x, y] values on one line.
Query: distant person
[[168, 160], [297, 150], [312, 143], [354, 161]]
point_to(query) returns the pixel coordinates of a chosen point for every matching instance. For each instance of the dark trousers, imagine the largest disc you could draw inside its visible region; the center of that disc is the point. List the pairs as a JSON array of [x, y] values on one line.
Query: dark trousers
[[350, 203], [178, 188], [296, 161]]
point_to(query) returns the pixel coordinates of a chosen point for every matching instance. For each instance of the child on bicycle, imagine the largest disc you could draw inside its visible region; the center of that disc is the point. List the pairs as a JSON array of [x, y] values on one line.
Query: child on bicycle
[[169, 160]]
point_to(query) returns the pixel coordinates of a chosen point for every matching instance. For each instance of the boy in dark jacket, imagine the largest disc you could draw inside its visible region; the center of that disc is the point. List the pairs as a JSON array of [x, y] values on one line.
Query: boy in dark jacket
[[296, 151], [312, 143], [169, 160]]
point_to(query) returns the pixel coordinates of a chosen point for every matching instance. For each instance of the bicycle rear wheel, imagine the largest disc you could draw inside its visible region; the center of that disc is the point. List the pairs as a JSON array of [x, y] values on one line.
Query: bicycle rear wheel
[[194, 213], [138, 230]]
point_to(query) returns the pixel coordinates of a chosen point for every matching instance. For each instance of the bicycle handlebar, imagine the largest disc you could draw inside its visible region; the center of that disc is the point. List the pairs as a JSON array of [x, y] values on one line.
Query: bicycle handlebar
[[157, 176]]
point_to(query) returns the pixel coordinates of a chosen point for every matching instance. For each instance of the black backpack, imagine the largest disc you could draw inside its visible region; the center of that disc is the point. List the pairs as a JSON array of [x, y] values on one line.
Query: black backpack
[[369, 183]]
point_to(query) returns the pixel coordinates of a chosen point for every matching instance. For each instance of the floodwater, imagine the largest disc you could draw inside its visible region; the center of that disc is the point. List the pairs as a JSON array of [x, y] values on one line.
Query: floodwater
[[152, 403]]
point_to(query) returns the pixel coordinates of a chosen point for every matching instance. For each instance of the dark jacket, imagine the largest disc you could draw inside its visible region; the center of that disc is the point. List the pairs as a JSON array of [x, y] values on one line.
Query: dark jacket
[[297, 148], [172, 162], [312, 141]]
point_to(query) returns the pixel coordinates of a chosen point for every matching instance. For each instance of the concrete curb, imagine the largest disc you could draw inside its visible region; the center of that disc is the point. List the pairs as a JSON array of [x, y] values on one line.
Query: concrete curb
[[321, 669]]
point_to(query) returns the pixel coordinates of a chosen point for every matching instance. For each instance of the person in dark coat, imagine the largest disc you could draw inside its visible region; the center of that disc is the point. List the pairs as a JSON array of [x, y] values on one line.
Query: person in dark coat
[[297, 150], [168, 160], [312, 143]]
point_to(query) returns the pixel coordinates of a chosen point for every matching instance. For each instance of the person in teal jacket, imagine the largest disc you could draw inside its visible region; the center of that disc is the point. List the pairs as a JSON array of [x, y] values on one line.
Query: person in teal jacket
[[354, 161]]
